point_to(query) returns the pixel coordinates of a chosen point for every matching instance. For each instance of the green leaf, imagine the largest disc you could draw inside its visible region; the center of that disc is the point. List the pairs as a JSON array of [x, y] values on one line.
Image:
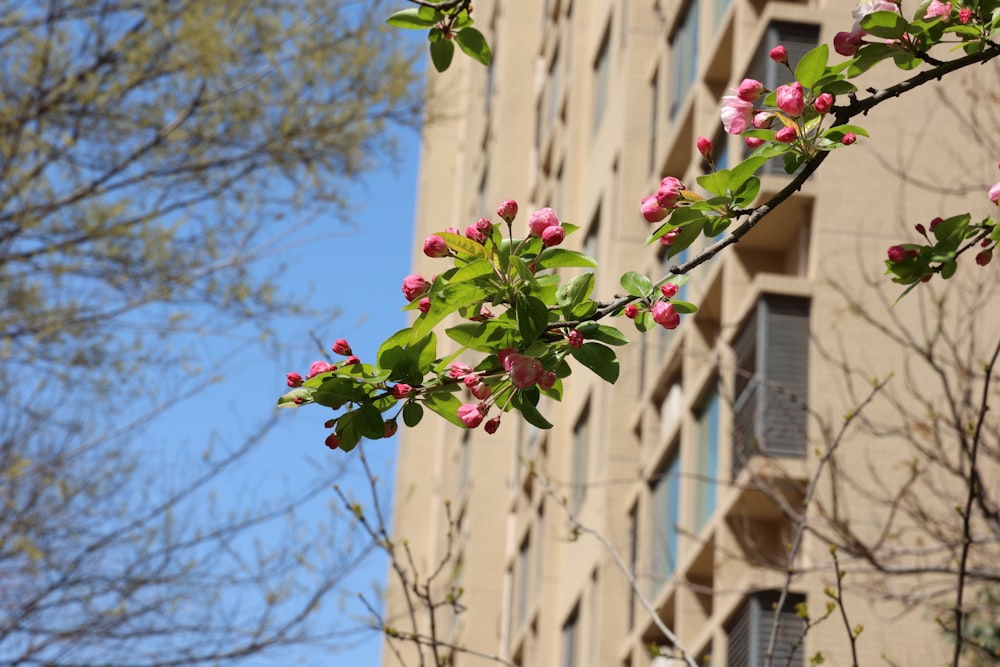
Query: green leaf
[[522, 401], [602, 333], [348, 432], [684, 307], [812, 66], [575, 292], [413, 19], [522, 270], [598, 358], [532, 317], [637, 284], [287, 400], [370, 422], [868, 56], [472, 270], [948, 269], [444, 302], [687, 236], [742, 172], [952, 228], [887, 25], [487, 336], [339, 390], [552, 258], [474, 45], [715, 225], [442, 51], [837, 87], [445, 404], [462, 244], [717, 182], [747, 192], [412, 414], [644, 321]]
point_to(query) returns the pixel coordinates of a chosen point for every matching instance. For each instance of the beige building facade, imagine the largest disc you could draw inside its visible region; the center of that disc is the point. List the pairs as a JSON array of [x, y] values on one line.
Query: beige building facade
[[695, 465]]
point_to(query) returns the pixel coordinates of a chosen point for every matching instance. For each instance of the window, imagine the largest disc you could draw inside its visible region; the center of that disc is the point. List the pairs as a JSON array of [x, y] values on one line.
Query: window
[[523, 579], [720, 10], [570, 639], [772, 380], [750, 631], [798, 38], [683, 56], [555, 90], [707, 459], [581, 443], [539, 549], [463, 470], [665, 500], [654, 117], [633, 559], [592, 242], [601, 78]]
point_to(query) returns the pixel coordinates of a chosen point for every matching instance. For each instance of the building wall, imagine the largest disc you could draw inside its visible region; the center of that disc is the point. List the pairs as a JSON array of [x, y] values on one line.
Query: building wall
[[582, 114]]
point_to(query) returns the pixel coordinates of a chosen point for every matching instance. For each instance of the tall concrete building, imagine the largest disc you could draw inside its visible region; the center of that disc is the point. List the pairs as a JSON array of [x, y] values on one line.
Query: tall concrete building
[[694, 466]]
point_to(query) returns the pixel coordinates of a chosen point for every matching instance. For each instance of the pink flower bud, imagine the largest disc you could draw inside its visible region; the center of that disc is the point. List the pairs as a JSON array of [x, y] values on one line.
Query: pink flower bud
[[920, 229], [847, 43], [329, 423], [823, 103], [762, 120], [542, 219], [785, 135], [507, 210], [547, 380], [390, 428], [849, 139], [471, 414], [669, 192], [317, 367], [470, 380], [482, 391], [736, 114], [789, 99], [704, 145], [984, 257], [452, 230], [939, 9], [575, 339], [414, 286], [401, 391], [652, 211], [670, 237], [631, 311], [424, 305], [298, 400], [779, 54], [552, 236], [995, 193], [934, 223], [458, 370], [333, 441], [341, 346], [964, 15], [896, 253], [293, 379], [473, 232], [753, 142], [503, 356], [524, 371], [351, 360], [750, 90], [484, 314], [485, 226], [492, 425], [666, 315], [435, 246], [669, 290]]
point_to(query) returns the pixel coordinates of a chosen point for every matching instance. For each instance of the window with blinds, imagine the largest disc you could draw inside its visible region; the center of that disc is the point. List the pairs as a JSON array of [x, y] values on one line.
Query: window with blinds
[[749, 632]]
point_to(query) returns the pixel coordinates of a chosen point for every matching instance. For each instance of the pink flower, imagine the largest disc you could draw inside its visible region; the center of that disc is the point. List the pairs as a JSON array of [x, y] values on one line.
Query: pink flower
[[492, 425], [424, 305], [332, 441], [704, 145], [414, 286], [470, 380], [341, 346], [753, 142], [785, 135], [435, 246], [789, 99], [995, 193], [666, 315], [293, 379], [507, 210], [940, 9], [401, 391], [750, 90], [349, 361], [847, 44], [779, 54], [964, 15], [669, 192], [575, 339], [896, 253], [481, 390], [524, 371], [541, 219], [762, 120], [631, 311], [458, 370], [471, 414], [670, 237], [652, 211], [984, 257], [823, 103], [849, 138], [736, 114], [473, 232], [503, 356], [669, 290], [547, 380], [317, 367], [553, 236]]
